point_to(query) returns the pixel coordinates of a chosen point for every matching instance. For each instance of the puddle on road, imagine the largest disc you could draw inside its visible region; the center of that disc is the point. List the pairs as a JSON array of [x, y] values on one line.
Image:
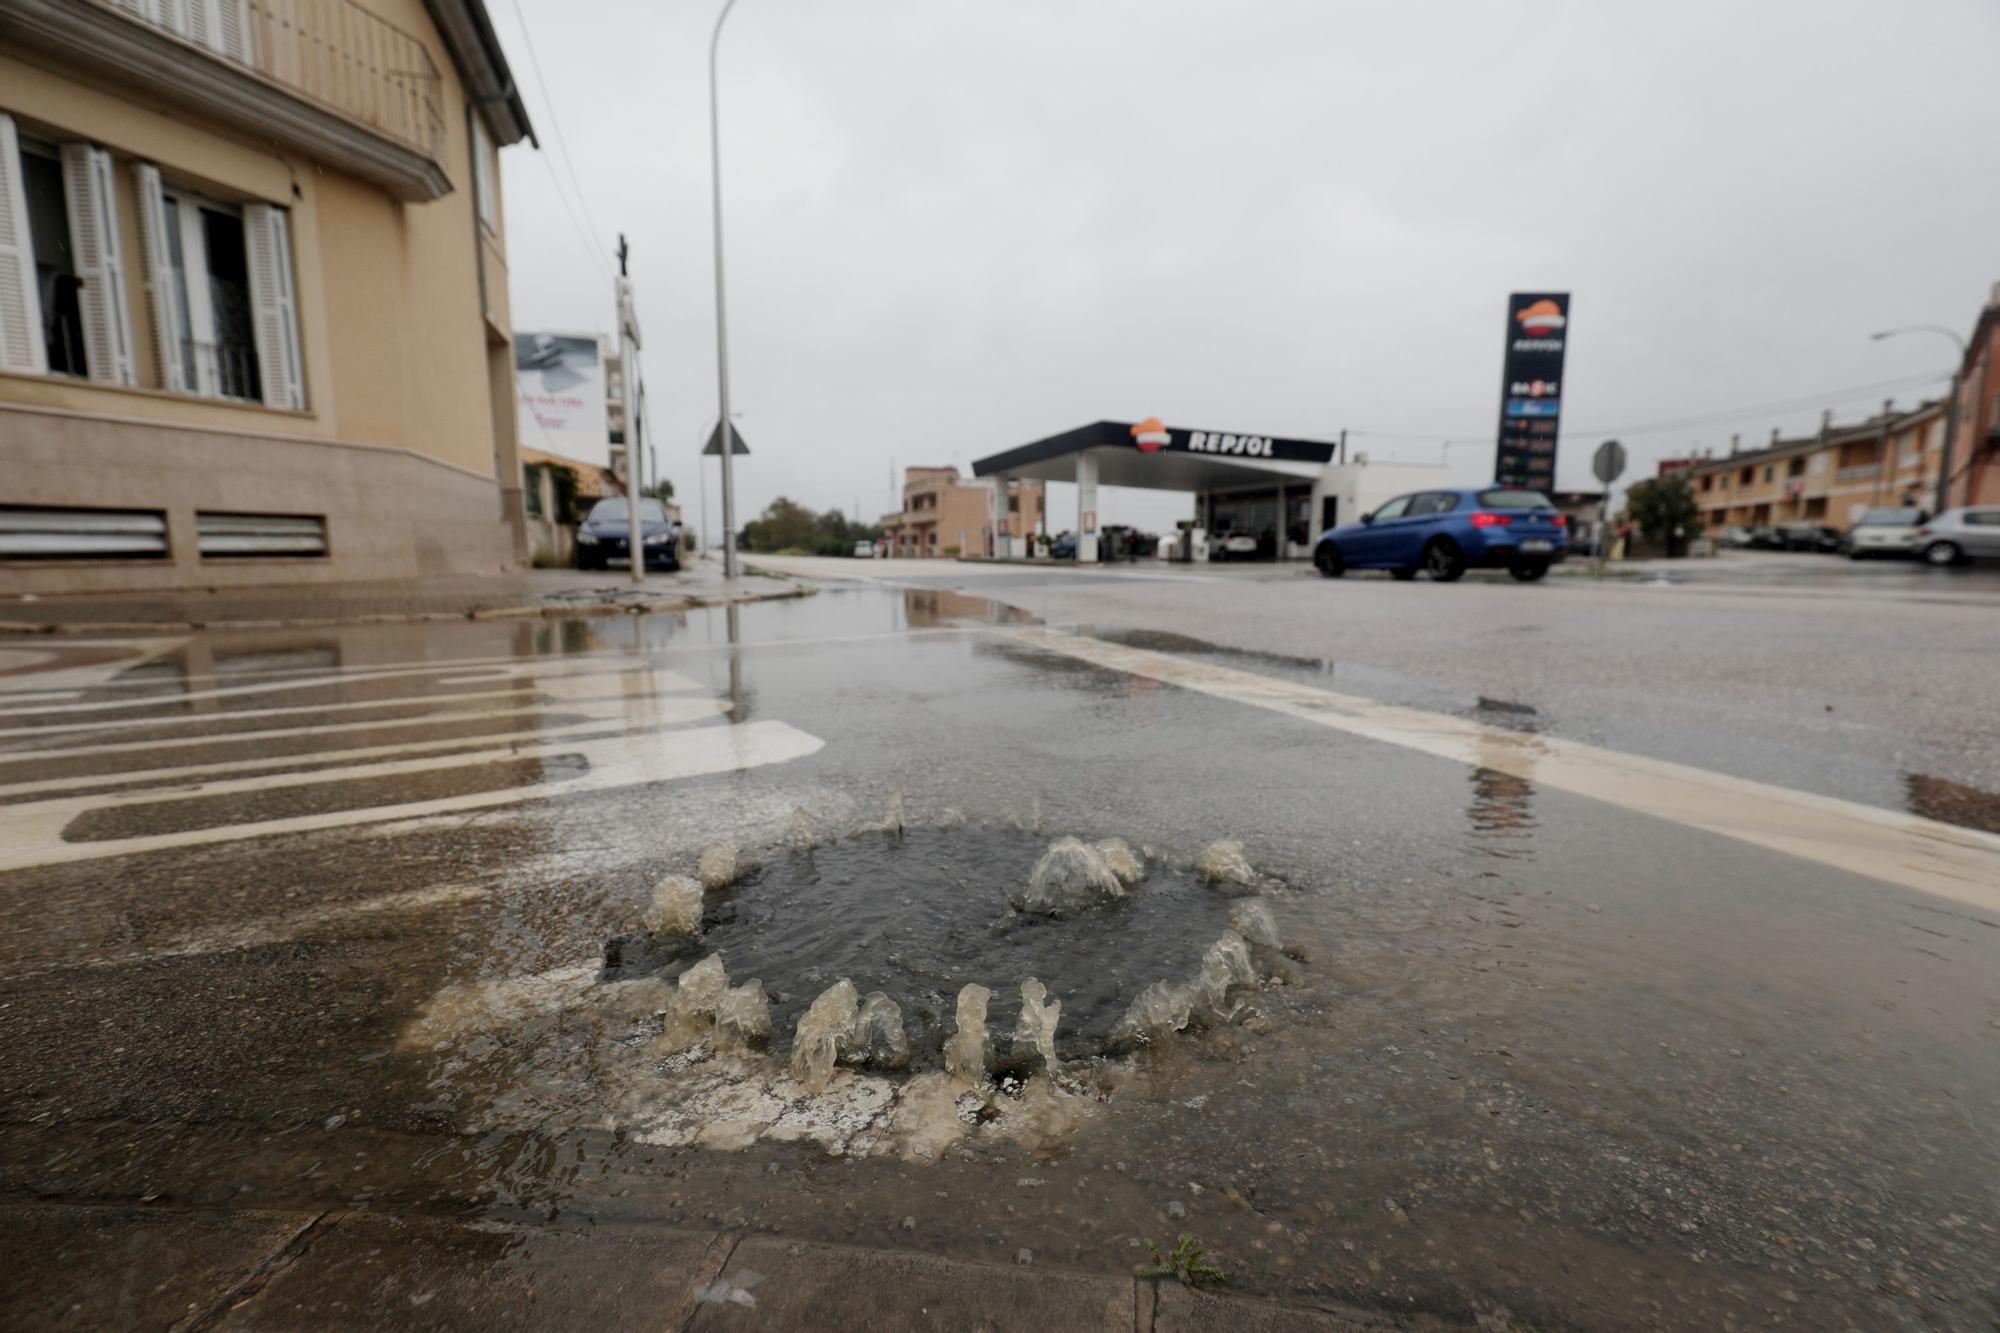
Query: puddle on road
[[757, 1028]]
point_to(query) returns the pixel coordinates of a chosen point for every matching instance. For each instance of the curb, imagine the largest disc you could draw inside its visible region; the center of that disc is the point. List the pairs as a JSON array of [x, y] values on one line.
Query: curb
[[523, 611]]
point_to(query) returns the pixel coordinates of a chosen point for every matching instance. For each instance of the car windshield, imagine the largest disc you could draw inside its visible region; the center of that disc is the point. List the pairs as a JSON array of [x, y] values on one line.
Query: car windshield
[[1890, 518], [1513, 499], [610, 511]]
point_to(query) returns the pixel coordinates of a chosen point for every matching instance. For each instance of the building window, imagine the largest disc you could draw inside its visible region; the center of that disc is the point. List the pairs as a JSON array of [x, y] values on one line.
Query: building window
[[225, 317], [1767, 472], [57, 282], [62, 268], [482, 172], [1708, 483], [1818, 464], [210, 271]]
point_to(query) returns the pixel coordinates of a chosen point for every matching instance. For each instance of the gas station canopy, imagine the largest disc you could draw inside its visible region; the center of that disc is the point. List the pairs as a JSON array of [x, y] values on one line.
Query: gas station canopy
[[1159, 457]]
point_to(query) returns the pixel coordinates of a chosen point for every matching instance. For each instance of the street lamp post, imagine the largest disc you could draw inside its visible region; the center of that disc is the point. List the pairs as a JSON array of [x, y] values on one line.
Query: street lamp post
[[721, 303], [1950, 403]]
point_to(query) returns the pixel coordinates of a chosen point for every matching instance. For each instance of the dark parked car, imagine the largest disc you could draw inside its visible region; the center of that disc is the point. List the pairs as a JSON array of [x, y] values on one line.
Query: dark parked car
[[1448, 532], [1811, 537], [1063, 547], [606, 532]]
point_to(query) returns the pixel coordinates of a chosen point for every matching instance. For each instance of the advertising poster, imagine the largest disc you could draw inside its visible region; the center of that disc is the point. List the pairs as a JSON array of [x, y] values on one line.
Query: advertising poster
[[1531, 389], [560, 379]]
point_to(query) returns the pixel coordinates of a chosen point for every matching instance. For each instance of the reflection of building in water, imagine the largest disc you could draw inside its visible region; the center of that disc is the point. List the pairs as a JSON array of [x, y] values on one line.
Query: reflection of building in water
[[1502, 810], [924, 607]]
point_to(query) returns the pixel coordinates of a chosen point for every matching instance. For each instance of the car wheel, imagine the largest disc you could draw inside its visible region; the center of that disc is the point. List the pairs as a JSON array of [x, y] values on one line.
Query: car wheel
[[1528, 570], [1444, 561], [1941, 554], [1329, 561], [1402, 575]]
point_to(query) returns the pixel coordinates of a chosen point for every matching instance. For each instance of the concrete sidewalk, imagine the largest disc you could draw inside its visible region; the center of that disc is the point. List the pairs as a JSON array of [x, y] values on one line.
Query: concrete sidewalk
[[144, 1268], [547, 593]]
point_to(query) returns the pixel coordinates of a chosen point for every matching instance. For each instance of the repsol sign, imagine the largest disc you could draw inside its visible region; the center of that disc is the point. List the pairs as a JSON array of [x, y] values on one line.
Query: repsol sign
[[1247, 446]]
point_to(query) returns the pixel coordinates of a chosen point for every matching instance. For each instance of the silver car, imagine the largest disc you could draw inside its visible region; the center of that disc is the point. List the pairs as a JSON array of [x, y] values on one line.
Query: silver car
[[1958, 535], [1885, 532]]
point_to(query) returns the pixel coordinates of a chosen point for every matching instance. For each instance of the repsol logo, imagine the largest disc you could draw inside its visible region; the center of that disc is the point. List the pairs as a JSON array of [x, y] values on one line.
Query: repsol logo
[[1250, 446]]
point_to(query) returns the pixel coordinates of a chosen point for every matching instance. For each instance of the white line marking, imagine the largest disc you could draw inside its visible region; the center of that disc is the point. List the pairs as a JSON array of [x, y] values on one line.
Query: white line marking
[[464, 673], [664, 713], [31, 833], [529, 705], [578, 687], [1955, 863]]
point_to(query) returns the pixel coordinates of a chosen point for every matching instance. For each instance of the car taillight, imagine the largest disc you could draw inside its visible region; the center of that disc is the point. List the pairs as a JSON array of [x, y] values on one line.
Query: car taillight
[[1923, 532], [1560, 520], [1490, 520]]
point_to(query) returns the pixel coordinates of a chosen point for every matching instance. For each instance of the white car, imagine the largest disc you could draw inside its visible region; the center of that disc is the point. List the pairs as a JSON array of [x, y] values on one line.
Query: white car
[[864, 550], [1884, 532], [1232, 546], [1959, 535]]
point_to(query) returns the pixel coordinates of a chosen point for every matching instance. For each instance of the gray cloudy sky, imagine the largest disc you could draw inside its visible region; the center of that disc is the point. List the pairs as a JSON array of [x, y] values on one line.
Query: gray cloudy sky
[[959, 225]]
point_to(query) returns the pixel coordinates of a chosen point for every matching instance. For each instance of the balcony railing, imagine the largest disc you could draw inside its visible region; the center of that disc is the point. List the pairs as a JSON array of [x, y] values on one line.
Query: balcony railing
[[330, 52], [1862, 472]]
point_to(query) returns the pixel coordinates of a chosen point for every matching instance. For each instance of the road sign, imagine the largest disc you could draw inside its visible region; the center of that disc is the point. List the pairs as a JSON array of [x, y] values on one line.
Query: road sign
[[713, 449], [1608, 463]]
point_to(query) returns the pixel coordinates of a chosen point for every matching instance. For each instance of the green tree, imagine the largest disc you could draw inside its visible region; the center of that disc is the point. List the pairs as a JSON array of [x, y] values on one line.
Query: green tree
[[785, 525], [1665, 510], [661, 490]]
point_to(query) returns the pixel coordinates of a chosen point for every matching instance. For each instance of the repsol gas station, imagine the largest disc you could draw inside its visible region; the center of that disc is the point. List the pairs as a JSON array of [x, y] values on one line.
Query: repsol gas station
[[1284, 493], [1281, 492]]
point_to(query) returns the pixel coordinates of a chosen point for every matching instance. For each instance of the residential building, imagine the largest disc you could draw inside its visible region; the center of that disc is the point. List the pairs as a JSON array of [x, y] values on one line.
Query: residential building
[[944, 515], [1830, 478], [253, 293], [1972, 468]]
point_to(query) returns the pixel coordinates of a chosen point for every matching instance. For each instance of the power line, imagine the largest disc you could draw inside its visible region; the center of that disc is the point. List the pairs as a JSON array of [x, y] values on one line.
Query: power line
[[590, 245]]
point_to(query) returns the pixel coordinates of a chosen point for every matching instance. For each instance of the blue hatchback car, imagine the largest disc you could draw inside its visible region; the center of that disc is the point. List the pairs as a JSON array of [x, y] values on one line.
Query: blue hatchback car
[[1448, 532]]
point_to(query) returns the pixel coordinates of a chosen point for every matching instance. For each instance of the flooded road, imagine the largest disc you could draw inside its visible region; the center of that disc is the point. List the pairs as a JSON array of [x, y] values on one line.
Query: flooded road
[[1608, 1039]]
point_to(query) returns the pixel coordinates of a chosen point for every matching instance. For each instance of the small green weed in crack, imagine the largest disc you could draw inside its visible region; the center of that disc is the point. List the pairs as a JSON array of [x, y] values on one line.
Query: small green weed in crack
[[1182, 1262]]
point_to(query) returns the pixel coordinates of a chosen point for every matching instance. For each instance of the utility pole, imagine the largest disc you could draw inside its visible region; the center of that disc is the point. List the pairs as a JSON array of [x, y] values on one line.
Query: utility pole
[[1343, 445], [721, 304], [1950, 402], [635, 456]]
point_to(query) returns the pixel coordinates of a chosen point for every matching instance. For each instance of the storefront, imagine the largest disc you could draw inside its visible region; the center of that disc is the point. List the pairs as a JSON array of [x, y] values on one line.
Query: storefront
[[1280, 493]]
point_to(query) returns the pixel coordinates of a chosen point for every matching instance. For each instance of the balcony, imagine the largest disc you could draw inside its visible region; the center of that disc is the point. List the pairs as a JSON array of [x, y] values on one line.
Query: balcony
[[325, 77], [1862, 472]]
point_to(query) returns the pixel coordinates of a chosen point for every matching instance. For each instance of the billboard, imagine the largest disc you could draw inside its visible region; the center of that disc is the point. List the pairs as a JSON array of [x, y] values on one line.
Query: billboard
[[559, 378], [1531, 389]]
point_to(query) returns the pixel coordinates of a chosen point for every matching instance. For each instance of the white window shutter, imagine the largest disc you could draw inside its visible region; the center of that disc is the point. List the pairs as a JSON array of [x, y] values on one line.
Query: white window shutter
[[231, 32], [21, 344], [163, 296], [273, 305], [100, 263]]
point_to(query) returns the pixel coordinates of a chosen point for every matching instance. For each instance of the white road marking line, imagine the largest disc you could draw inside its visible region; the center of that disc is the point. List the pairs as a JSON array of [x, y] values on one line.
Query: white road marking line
[[564, 687], [464, 673], [1962, 865], [529, 705], [31, 836], [267, 930], [411, 666], [664, 713]]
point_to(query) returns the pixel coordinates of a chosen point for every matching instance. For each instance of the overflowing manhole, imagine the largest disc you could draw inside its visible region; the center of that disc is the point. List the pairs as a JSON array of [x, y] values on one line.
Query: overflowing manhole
[[892, 990]]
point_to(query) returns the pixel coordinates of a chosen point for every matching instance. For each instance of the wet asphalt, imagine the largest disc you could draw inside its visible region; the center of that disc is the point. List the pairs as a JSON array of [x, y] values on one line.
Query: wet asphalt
[[1543, 1052]]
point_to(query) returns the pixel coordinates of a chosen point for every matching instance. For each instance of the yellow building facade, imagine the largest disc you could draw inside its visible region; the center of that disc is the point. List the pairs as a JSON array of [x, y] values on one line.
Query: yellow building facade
[[253, 293]]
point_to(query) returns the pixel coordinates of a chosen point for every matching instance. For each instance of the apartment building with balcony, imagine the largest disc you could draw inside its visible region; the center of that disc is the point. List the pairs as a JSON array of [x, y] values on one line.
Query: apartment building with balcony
[[1830, 478], [945, 515], [253, 293]]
